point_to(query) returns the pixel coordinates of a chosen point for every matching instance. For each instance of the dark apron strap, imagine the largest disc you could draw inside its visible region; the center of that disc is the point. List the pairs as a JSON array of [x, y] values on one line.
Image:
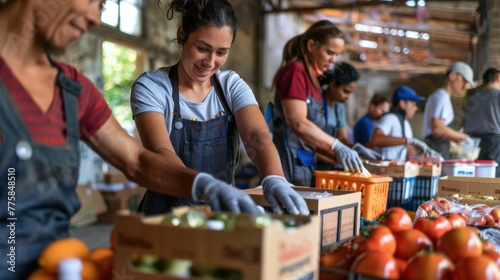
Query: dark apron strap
[[71, 90]]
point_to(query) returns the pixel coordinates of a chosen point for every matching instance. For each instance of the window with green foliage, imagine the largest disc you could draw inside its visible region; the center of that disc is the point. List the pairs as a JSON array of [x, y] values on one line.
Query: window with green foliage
[[119, 72]]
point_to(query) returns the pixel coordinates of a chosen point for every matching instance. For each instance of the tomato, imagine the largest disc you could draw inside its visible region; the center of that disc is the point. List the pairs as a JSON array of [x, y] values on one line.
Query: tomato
[[456, 220], [488, 218], [433, 227], [376, 263], [427, 207], [495, 213], [460, 243], [494, 255], [401, 265], [340, 258], [492, 224], [409, 242], [376, 238], [478, 267], [396, 219], [446, 204], [396, 209], [487, 245], [477, 221], [429, 266]]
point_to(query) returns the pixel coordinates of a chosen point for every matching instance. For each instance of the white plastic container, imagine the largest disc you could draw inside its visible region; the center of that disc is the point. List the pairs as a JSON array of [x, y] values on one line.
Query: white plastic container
[[463, 168], [486, 168]]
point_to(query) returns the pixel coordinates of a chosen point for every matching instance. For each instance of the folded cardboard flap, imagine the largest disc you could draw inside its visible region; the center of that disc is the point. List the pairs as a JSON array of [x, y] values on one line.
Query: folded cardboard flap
[[93, 204]]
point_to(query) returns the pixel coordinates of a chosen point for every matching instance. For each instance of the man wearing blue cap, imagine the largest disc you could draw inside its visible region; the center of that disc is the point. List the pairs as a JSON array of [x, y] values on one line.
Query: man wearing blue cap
[[393, 132], [438, 113]]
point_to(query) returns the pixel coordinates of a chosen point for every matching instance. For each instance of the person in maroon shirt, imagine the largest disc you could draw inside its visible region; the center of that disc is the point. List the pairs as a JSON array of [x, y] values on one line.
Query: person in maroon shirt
[[45, 108], [299, 125]]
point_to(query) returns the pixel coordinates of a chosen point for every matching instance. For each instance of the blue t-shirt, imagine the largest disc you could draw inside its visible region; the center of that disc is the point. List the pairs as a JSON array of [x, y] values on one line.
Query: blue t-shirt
[[363, 130], [336, 115]]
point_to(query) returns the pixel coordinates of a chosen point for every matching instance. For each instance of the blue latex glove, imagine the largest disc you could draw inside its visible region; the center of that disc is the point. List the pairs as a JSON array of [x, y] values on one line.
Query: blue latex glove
[[365, 152], [222, 196], [348, 158], [278, 191]]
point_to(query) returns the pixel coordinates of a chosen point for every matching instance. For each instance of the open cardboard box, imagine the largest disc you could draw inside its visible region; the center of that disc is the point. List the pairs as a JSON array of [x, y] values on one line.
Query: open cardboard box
[[339, 215], [430, 170], [388, 169], [272, 252], [127, 198], [93, 204], [471, 186]]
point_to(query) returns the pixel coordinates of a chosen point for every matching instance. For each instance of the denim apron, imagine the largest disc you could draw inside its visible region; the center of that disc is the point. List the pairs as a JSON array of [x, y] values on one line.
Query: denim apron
[[298, 158], [208, 146], [330, 130], [42, 180]]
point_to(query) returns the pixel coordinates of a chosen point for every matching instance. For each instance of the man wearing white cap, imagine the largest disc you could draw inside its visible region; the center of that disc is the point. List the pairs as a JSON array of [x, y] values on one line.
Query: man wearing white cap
[[438, 113]]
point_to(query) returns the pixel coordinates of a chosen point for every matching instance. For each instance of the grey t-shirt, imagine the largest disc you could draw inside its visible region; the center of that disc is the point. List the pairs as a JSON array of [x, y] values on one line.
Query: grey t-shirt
[[152, 92], [483, 112]]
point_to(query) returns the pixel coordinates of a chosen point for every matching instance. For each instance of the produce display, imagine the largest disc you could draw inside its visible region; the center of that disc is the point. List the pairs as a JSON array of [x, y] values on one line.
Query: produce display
[[474, 215], [97, 264], [147, 263], [433, 246]]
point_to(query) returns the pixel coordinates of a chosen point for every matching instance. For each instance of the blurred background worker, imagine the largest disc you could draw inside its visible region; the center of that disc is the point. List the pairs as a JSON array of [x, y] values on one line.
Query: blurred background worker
[[438, 113], [483, 116], [299, 120], [340, 84], [393, 132], [363, 128]]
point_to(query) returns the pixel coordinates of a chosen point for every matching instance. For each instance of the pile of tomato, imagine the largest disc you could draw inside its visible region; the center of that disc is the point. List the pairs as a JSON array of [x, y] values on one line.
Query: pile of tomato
[[432, 247], [476, 215]]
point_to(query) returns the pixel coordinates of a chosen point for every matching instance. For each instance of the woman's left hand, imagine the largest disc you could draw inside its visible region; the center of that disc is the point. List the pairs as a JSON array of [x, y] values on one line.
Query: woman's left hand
[[278, 191]]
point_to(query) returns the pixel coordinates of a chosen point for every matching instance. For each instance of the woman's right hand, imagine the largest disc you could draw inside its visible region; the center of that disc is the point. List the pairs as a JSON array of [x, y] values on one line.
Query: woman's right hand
[[348, 158]]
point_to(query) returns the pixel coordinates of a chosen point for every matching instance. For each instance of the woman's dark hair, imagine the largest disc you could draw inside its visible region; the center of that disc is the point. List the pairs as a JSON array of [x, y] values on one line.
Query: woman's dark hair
[[378, 99], [490, 75], [296, 48], [343, 73], [196, 13]]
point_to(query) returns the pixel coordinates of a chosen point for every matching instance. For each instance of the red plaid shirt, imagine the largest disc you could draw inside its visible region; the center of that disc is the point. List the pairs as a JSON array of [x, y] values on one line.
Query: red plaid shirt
[[49, 127]]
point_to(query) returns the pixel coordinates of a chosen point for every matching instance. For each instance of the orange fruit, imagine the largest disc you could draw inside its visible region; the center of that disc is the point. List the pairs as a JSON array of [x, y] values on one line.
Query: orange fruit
[[90, 271], [42, 274], [59, 250], [103, 257]]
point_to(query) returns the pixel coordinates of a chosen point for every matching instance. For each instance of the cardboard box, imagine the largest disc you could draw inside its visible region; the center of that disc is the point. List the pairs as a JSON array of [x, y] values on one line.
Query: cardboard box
[[430, 171], [115, 176], [384, 168], [339, 215], [126, 199], [92, 205], [450, 185], [272, 252]]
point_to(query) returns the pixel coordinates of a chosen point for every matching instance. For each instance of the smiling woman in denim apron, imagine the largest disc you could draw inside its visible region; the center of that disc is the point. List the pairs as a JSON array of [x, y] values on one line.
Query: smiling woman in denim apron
[[45, 108], [197, 111], [299, 119]]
